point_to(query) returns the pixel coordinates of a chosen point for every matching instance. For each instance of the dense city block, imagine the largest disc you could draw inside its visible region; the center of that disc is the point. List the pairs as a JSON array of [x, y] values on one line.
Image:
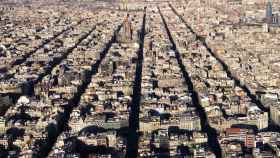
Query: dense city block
[[140, 79]]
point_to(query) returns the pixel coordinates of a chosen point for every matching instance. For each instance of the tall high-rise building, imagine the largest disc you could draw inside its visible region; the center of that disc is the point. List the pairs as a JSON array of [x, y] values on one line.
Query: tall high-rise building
[[269, 14]]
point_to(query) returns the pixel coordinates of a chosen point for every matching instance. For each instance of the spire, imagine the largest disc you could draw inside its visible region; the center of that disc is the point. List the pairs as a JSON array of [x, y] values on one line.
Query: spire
[[125, 35]]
